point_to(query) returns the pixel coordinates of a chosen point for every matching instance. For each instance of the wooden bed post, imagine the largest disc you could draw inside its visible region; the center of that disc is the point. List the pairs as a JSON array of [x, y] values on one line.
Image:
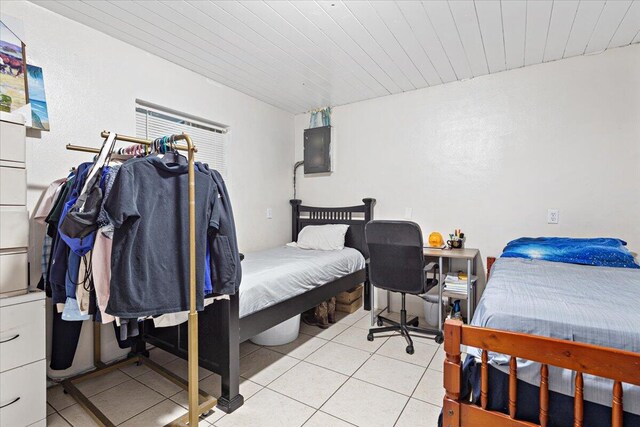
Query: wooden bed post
[[452, 373], [368, 216], [230, 398], [490, 261], [368, 210], [295, 214]]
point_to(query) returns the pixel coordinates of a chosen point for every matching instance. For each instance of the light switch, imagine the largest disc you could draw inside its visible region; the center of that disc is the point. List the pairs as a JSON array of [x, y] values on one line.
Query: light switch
[[553, 216], [269, 213]]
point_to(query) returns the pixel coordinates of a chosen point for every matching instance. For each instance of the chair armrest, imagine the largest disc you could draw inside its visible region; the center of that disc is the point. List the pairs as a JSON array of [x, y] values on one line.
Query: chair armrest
[[430, 266], [431, 283]]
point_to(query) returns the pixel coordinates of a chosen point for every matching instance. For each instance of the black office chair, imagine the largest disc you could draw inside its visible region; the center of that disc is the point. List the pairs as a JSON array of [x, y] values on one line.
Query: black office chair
[[396, 263]]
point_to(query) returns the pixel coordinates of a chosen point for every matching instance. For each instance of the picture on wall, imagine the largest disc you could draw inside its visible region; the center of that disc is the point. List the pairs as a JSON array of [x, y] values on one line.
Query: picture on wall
[[13, 80], [37, 99]]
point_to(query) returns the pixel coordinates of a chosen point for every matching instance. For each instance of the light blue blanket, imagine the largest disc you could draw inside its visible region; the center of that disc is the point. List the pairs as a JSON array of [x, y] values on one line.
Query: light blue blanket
[[595, 305]]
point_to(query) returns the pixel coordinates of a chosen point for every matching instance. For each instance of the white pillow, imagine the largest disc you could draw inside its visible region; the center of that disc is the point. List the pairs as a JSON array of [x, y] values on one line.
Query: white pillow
[[328, 237]]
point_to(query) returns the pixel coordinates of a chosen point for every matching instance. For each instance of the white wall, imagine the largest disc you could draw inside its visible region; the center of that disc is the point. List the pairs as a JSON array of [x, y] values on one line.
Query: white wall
[[492, 154], [92, 82]]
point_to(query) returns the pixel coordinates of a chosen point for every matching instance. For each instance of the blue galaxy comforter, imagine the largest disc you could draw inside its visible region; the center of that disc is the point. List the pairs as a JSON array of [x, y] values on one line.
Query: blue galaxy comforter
[[601, 252]]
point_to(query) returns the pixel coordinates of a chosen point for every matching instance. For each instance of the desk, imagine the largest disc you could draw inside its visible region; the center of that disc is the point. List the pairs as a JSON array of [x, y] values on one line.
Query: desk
[[467, 253]]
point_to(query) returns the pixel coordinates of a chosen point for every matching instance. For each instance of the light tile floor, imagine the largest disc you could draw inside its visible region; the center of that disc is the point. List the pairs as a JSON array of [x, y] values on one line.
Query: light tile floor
[[332, 377]]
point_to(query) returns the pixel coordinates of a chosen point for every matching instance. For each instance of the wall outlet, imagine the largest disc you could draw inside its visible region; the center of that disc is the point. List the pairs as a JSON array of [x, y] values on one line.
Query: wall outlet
[[408, 212], [269, 213], [553, 216]]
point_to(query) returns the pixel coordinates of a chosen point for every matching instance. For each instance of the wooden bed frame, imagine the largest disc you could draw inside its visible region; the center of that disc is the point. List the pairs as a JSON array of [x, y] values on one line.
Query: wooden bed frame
[[618, 365], [221, 330]]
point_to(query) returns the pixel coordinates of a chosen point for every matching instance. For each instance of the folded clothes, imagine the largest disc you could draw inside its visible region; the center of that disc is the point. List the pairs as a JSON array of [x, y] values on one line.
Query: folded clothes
[[72, 312]]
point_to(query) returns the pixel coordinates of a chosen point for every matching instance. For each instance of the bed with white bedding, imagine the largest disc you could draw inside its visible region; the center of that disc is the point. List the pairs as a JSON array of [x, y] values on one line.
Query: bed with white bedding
[[595, 305], [277, 274]]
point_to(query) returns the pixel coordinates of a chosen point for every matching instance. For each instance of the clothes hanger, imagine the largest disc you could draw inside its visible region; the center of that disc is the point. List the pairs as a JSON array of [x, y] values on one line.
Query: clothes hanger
[[173, 156]]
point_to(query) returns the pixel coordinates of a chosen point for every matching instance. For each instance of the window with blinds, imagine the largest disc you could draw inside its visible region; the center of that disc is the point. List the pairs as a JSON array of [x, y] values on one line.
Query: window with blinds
[[210, 140]]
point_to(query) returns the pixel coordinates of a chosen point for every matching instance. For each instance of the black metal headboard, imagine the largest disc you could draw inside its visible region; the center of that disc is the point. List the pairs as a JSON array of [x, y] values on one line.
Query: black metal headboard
[[356, 216]]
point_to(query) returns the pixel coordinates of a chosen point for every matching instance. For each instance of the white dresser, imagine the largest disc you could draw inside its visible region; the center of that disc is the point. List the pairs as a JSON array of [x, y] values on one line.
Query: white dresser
[[14, 219], [23, 388], [23, 365]]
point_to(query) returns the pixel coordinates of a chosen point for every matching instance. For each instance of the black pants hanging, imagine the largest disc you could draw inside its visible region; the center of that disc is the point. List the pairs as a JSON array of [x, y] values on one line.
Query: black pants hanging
[[64, 341], [65, 338]]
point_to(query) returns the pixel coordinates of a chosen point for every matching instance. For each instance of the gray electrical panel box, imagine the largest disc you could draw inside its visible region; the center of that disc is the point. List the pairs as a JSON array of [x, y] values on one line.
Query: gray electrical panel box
[[317, 150]]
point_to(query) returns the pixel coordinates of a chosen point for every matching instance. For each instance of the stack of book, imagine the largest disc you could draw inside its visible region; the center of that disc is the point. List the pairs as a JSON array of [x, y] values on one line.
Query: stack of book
[[455, 286]]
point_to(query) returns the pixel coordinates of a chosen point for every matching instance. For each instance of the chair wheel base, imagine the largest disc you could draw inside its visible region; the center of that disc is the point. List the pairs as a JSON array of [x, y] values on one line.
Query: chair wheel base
[[369, 337], [410, 349], [379, 322], [415, 323], [439, 339]]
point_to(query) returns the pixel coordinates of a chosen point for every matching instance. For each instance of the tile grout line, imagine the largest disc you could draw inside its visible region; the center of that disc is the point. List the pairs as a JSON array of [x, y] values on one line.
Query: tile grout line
[[401, 361], [129, 379], [350, 377], [342, 373], [402, 394], [405, 361], [225, 414], [152, 406], [145, 386], [307, 420], [296, 364], [412, 393], [335, 416], [376, 385], [420, 380], [304, 360], [368, 358], [294, 399], [357, 348], [65, 420], [75, 402], [323, 344], [401, 412]]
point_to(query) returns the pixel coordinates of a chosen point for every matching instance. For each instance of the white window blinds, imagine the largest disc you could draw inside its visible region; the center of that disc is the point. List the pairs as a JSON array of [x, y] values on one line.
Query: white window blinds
[[210, 140]]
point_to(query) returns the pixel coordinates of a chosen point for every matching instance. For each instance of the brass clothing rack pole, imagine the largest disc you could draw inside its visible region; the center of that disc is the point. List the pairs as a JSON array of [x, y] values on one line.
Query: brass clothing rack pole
[[195, 407]]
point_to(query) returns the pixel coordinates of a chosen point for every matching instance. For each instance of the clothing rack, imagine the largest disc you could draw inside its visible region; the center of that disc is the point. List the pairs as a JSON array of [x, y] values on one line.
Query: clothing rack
[[196, 407]]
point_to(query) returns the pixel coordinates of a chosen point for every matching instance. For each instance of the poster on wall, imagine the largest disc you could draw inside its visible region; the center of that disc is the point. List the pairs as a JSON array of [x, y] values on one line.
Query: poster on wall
[[14, 92], [37, 99]]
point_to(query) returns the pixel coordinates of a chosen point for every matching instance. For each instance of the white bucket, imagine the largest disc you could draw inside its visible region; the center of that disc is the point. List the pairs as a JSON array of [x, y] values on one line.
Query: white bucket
[[280, 334], [431, 308]]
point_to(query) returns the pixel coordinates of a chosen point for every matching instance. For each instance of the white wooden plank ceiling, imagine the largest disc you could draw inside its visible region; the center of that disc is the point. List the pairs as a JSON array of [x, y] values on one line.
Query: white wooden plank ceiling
[[300, 55]]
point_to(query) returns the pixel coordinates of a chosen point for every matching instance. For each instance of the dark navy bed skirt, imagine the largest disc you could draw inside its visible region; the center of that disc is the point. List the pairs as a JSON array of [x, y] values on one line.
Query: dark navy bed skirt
[[528, 402]]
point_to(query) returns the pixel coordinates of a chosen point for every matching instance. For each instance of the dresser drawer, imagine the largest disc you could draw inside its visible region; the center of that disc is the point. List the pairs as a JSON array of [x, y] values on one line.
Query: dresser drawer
[[24, 392], [12, 142], [13, 271], [13, 186], [22, 334], [14, 227]]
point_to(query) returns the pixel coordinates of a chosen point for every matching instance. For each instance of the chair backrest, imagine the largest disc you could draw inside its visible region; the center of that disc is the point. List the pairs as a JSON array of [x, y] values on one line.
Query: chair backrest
[[396, 259]]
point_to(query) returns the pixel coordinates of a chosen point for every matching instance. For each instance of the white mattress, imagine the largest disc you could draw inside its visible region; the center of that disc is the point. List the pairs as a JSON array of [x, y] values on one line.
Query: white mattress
[[275, 275]]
